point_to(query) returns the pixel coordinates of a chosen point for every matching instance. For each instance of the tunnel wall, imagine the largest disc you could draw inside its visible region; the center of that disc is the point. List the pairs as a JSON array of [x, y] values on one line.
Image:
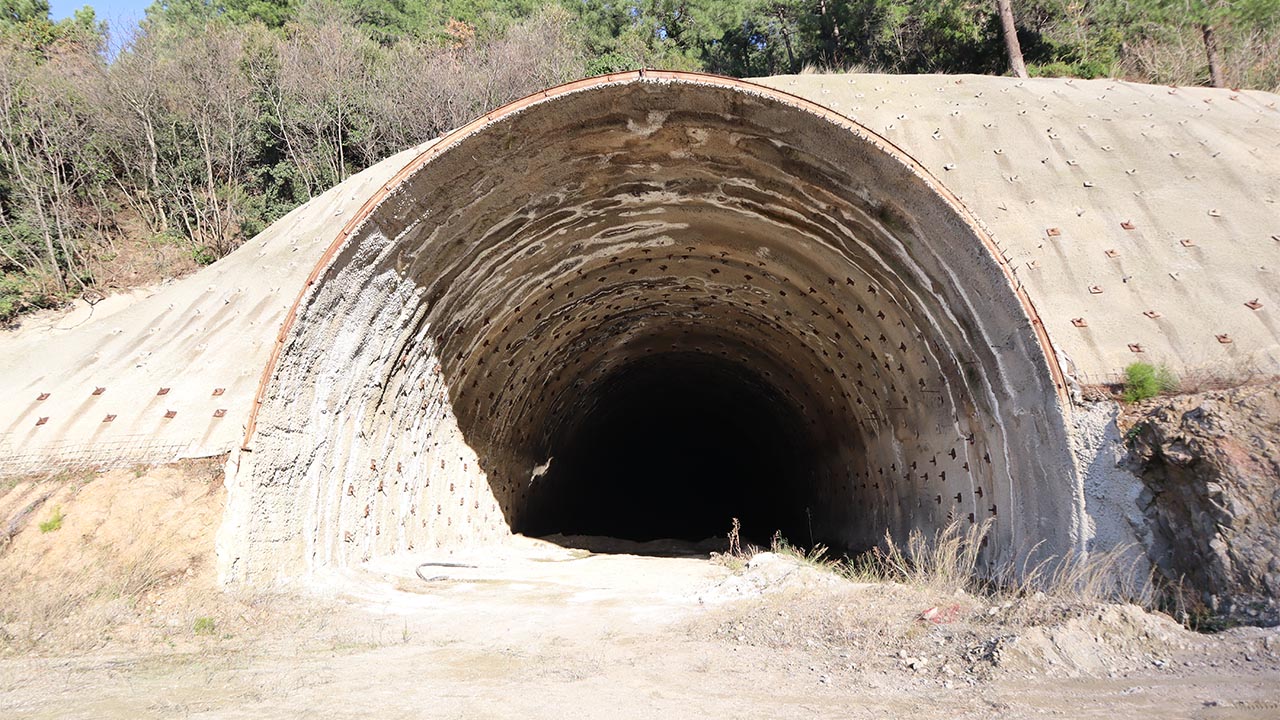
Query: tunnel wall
[[469, 314]]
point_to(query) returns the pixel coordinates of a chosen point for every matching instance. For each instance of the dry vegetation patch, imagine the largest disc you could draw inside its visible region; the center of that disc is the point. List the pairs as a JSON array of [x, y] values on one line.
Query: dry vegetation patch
[[939, 636], [930, 607], [128, 559]]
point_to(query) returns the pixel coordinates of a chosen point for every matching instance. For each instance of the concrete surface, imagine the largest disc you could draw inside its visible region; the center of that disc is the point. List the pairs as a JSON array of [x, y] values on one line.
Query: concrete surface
[[1194, 171]]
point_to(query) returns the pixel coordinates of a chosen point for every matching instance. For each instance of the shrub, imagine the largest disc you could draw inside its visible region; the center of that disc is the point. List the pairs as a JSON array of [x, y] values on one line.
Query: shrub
[[20, 293], [202, 255], [1081, 69], [1144, 380], [53, 523], [203, 626]]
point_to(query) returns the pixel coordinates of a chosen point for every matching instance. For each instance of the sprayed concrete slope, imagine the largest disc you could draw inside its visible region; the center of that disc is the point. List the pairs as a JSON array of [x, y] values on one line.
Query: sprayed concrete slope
[[887, 285], [1144, 220], [166, 372]]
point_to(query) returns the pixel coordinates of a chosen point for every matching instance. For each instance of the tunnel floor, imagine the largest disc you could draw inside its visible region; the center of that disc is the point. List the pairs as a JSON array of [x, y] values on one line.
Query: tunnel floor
[[675, 447]]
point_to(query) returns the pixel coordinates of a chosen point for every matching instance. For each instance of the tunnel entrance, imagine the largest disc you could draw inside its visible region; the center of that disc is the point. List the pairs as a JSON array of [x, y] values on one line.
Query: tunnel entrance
[[676, 446], [701, 299]]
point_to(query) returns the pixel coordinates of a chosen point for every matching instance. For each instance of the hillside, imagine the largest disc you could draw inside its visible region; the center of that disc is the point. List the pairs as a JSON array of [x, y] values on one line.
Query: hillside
[[129, 155]]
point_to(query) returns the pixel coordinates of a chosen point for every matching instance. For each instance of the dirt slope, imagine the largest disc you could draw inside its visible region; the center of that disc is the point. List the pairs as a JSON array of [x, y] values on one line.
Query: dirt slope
[[87, 559]]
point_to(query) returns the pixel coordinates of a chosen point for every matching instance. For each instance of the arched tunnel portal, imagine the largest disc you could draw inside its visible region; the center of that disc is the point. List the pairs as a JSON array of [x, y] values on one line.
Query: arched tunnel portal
[[699, 299]]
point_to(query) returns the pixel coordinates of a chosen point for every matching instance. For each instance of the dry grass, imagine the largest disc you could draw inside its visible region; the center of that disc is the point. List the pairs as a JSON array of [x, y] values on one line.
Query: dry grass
[[52, 611], [852, 68], [1244, 371], [1250, 58], [1225, 375], [31, 612], [950, 563], [143, 572], [143, 601], [131, 561], [931, 606], [946, 562], [816, 557]]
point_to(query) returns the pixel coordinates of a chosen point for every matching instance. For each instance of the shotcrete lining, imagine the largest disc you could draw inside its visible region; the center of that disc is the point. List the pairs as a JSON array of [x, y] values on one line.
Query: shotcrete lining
[[523, 272], [678, 239]]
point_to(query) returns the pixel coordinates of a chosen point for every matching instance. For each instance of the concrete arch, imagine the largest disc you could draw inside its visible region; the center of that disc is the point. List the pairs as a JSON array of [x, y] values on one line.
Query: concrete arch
[[838, 343]]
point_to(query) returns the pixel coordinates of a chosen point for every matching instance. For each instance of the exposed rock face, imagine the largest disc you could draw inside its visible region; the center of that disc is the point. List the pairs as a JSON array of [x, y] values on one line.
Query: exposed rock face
[[1211, 466]]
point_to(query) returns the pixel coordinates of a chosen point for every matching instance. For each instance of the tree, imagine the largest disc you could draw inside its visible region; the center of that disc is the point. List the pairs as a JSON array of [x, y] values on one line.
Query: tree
[[1010, 31], [49, 163], [1211, 52], [217, 116], [21, 11], [1210, 20], [1212, 15]]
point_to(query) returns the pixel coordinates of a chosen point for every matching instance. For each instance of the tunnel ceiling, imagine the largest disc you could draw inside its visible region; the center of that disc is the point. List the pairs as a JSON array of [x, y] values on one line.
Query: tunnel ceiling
[[556, 266]]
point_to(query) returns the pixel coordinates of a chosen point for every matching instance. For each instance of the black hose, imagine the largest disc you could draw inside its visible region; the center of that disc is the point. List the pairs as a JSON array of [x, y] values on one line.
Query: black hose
[[424, 578]]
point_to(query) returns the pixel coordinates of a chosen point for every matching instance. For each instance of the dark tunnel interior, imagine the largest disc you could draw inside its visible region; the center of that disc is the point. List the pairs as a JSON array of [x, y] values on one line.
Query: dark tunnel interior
[[676, 446]]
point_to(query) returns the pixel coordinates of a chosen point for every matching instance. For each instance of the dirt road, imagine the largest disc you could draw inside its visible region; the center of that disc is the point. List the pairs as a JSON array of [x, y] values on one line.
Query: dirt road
[[114, 614], [542, 631]]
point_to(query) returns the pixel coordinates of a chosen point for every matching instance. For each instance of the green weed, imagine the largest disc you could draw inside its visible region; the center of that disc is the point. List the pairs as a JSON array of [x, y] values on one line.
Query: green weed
[[203, 626], [54, 522], [1143, 381]]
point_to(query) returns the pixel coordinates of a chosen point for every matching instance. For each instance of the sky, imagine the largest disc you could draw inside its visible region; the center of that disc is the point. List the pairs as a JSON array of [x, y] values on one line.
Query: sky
[[115, 12]]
